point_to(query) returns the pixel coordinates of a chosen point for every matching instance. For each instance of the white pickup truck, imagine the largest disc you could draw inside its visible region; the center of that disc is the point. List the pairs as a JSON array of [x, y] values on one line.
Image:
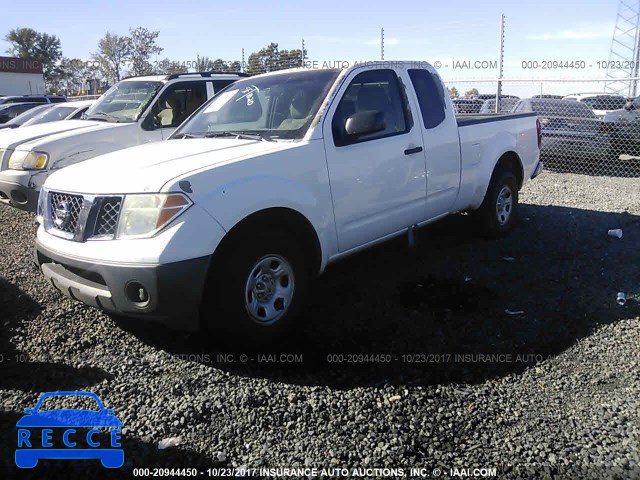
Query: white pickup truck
[[224, 224], [134, 111]]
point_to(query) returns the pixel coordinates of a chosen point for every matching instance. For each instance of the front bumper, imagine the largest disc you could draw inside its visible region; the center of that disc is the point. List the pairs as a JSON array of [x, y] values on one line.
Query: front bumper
[[16, 189], [171, 295]]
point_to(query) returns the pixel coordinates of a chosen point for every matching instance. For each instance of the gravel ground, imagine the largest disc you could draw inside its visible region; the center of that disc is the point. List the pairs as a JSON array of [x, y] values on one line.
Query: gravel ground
[[454, 381]]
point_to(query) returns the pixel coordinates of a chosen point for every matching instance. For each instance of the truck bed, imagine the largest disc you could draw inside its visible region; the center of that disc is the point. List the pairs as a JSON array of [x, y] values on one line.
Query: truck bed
[[473, 119]]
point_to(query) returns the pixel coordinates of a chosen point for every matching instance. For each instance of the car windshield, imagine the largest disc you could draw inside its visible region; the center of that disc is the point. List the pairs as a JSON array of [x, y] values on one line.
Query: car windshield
[[124, 102], [272, 107], [605, 102], [506, 105], [59, 112], [562, 108], [29, 114]]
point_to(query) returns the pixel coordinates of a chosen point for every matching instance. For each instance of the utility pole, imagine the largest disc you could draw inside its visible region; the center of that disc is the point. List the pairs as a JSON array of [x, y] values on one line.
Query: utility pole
[[499, 92], [242, 67], [302, 55], [382, 43]]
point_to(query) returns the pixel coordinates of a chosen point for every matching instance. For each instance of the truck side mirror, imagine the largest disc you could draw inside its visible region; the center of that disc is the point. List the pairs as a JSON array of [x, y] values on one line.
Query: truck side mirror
[[364, 123]]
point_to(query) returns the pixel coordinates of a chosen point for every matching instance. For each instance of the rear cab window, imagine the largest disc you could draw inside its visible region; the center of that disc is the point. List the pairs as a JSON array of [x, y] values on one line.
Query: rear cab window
[[430, 97]]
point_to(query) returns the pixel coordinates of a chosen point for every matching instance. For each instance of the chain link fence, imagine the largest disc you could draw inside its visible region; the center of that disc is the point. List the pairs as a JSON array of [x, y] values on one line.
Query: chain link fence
[[584, 129]]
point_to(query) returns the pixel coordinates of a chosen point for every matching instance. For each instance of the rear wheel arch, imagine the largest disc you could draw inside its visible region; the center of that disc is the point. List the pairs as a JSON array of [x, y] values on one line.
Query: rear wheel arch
[[511, 162]]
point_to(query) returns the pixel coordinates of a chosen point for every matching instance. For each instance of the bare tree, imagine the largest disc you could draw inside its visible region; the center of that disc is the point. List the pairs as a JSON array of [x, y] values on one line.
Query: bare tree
[[143, 46], [204, 64], [112, 55]]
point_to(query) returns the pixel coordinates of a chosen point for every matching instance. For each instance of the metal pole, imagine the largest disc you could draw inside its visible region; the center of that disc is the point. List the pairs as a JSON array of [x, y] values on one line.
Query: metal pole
[[242, 68], [634, 83], [302, 54], [499, 92], [382, 43]]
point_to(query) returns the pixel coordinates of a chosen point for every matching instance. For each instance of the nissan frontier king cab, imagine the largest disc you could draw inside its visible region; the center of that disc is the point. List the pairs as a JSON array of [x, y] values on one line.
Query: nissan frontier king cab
[[224, 224]]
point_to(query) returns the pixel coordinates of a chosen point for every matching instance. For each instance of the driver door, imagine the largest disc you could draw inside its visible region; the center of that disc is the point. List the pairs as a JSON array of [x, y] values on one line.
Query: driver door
[[378, 180]]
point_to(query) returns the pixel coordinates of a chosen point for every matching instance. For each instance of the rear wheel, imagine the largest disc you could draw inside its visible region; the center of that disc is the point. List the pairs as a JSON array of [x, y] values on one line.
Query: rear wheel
[[497, 214], [257, 288]]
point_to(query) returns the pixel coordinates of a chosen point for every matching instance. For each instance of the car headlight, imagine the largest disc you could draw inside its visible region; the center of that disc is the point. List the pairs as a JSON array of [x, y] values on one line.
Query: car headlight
[[143, 215], [28, 160], [42, 198]]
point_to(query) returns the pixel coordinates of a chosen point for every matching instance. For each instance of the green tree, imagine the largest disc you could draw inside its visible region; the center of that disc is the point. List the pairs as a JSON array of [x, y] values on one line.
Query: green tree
[[143, 46], [234, 66], [271, 58], [220, 65], [472, 93], [113, 53], [28, 43], [204, 64], [167, 67], [453, 92]]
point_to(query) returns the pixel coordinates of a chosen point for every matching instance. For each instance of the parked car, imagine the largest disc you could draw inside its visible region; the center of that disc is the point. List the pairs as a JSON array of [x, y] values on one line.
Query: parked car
[[32, 99], [506, 105], [556, 97], [623, 127], [23, 117], [492, 96], [136, 110], [276, 177], [63, 111], [467, 105], [50, 112], [11, 110], [570, 129], [600, 103]]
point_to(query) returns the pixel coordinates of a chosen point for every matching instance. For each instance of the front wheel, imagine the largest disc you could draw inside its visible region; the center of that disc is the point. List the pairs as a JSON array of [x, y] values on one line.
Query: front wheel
[[497, 214], [259, 286]]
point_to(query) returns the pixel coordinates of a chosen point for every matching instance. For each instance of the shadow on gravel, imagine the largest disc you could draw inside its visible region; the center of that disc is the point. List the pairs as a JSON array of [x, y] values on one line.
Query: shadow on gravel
[[457, 309], [17, 371]]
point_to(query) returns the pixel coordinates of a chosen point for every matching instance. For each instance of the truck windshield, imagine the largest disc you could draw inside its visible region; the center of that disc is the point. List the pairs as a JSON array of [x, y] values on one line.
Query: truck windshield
[[124, 102], [277, 106], [562, 108], [605, 102]]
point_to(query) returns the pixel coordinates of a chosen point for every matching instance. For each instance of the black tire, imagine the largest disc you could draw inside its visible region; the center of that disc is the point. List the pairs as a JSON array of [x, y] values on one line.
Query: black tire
[[491, 221], [225, 310]]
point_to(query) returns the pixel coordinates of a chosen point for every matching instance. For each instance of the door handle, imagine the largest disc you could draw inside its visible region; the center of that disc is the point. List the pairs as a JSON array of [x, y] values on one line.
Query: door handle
[[410, 151]]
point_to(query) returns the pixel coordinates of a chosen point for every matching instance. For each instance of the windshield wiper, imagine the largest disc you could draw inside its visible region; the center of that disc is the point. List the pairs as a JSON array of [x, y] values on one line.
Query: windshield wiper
[[103, 117], [247, 135], [184, 135]]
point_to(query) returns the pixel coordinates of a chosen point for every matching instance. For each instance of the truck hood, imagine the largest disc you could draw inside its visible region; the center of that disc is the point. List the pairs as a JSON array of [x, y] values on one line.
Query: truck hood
[[146, 168], [15, 137]]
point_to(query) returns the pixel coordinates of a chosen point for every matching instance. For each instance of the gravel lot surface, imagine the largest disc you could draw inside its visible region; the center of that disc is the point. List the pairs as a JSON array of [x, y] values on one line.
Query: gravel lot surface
[[549, 390]]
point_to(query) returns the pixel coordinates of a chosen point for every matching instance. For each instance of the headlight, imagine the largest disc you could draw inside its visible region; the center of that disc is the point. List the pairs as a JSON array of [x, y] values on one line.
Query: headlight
[[145, 214], [42, 198], [21, 160]]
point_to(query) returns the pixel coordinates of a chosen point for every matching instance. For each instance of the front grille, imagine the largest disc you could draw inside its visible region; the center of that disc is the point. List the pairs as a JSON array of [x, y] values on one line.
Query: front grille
[[82, 217], [64, 211], [107, 221]]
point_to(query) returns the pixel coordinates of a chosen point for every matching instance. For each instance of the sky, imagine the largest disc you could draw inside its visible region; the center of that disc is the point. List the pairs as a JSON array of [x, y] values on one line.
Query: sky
[[339, 31]]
